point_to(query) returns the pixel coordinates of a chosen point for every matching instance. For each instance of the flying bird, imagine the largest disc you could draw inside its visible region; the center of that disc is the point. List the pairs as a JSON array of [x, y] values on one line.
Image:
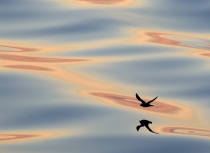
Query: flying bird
[[146, 124], [143, 103]]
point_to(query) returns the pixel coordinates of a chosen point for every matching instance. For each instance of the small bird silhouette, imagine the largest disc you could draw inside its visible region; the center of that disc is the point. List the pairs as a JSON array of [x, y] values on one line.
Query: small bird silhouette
[[146, 124], [145, 104]]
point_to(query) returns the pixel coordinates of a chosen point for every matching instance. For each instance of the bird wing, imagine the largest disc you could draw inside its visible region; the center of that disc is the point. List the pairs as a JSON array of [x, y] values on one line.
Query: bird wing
[[137, 96], [138, 127], [151, 100], [147, 126]]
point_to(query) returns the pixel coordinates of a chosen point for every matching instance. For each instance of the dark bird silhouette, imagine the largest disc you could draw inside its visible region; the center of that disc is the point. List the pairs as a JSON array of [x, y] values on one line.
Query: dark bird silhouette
[[143, 103], [146, 124]]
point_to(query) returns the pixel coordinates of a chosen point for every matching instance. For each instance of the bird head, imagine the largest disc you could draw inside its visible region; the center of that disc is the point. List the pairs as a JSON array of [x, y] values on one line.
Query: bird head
[[144, 122]]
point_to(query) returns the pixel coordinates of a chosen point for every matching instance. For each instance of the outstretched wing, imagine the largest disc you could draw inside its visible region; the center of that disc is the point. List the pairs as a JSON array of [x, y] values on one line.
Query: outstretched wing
[[152, 100], [138, 127], [137, 96], [147, 126]]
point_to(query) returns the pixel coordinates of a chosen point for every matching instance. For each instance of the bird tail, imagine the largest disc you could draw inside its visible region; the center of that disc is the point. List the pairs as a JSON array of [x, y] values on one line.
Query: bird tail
[[138, 127]]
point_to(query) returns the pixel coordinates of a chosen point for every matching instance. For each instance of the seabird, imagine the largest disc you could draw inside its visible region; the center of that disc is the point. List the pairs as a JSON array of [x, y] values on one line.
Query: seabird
[[146, 124], [145, 104]]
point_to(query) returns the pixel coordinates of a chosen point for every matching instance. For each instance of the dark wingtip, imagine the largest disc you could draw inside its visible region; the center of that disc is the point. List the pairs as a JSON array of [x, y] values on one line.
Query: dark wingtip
[[137, 128], [137, 96]]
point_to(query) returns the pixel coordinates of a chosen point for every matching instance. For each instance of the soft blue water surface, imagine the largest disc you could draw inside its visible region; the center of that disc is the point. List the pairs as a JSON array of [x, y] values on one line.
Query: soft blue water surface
[[122, 55]]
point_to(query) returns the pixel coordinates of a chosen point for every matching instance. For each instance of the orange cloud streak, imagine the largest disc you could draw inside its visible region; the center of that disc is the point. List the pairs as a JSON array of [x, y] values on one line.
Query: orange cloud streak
[[16, 49], [103, 2], [38, 59], [190, 131], [161, 38], [158, 38], [8, 137], [28, 67], [163, 108]]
